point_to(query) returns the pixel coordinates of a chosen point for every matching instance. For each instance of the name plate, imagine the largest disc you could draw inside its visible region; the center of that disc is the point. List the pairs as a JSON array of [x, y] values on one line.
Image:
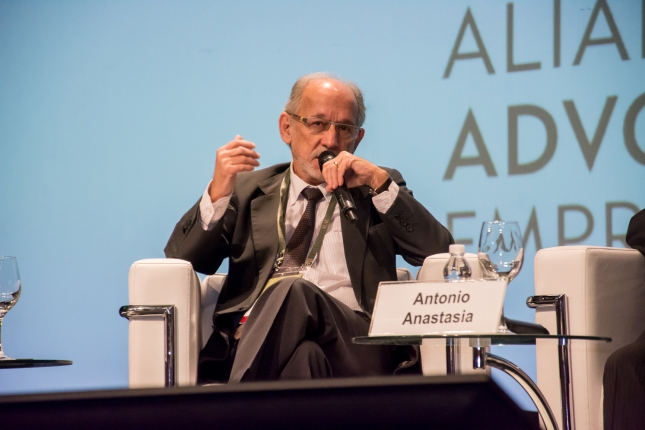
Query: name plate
[[418, 308]]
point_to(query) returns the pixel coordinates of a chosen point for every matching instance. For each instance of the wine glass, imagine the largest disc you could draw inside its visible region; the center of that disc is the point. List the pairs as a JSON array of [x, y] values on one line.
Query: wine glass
[[9, 291], [501, 253]]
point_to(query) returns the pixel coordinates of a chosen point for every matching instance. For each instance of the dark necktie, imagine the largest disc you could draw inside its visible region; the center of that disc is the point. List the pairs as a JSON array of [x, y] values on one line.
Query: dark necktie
[[296, 251]]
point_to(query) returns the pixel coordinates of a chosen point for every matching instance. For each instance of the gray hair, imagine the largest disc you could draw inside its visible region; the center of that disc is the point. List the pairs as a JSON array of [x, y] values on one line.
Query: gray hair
[[300, 85]]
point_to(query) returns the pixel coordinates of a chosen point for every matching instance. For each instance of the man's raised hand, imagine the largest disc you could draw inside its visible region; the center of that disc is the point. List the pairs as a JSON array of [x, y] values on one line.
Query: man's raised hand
[[352, 171], [236, 156]]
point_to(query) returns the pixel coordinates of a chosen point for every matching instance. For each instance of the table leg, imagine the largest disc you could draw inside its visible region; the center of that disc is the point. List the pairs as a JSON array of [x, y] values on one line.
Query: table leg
[[479, 357], [563, 351], [565, 383], [451, 363], [529, 386]]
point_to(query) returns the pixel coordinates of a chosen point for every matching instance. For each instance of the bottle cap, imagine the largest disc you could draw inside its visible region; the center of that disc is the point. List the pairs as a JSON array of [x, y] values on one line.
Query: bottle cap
[[457, 249]]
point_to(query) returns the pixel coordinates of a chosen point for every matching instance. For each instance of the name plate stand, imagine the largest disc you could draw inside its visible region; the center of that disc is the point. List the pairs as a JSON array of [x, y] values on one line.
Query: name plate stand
[[424, 308]]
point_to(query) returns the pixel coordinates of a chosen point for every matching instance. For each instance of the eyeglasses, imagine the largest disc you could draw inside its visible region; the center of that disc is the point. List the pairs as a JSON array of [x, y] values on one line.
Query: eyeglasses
[[319, 126]]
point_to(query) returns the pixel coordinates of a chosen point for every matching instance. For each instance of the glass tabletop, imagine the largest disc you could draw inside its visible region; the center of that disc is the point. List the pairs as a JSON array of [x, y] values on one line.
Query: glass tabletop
[[21, 363], [495, 339]]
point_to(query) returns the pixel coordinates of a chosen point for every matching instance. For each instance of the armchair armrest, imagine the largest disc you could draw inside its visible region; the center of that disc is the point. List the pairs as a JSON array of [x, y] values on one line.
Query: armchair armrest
[[163, 283], [433, 352], [432, 269]]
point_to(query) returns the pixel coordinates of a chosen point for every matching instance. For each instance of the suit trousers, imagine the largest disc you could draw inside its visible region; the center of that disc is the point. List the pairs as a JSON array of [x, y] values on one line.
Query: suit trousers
[[295, 331]]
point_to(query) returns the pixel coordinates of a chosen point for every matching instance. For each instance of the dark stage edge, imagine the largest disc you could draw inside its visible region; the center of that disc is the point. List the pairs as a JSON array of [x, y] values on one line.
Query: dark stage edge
[[406, 402]]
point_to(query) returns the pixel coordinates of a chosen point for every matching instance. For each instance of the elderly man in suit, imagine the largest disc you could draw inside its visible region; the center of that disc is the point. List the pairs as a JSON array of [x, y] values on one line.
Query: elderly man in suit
[[302, 277]]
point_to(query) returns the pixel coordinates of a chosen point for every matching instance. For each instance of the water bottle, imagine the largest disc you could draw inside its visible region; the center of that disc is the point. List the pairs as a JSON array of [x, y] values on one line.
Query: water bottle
[[457, 268]]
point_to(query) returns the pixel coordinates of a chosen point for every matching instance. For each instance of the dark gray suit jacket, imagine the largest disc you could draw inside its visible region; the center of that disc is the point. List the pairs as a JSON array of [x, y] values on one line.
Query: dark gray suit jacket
[[248, 235]]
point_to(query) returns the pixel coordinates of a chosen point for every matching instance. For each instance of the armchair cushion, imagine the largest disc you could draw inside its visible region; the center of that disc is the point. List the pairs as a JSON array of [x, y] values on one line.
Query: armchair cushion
[[211, 286]]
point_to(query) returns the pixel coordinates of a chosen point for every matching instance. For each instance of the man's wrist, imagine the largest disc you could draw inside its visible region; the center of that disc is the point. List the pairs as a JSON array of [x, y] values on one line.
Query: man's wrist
[[382, 186], [215, 194], [378, 179]]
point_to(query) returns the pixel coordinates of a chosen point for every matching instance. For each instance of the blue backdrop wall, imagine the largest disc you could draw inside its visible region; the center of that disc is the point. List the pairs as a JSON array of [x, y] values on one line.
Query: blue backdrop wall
[[111, 112]]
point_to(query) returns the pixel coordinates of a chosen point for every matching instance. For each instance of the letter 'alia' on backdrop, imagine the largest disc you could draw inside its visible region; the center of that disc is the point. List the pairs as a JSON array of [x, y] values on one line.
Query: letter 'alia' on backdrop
[[112, 112]]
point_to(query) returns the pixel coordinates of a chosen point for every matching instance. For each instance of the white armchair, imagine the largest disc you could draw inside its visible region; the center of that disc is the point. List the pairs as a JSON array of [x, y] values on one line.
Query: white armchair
[[165, 340], [170, 317], [604, 292]]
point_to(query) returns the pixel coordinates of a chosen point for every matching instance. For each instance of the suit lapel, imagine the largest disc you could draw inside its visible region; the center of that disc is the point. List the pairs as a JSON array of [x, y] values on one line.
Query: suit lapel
[[264, 210], [355, 239]]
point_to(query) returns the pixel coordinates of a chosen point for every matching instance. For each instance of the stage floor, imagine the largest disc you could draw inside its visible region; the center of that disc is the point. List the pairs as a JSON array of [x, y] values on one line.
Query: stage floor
[[454, 402]]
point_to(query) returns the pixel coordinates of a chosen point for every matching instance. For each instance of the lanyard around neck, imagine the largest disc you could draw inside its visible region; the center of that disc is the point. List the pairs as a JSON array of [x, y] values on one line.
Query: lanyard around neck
[[282, 210]]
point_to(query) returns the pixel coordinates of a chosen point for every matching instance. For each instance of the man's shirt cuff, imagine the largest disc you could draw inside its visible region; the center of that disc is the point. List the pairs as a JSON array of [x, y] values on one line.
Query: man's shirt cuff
[[384, 201], [212, 212]]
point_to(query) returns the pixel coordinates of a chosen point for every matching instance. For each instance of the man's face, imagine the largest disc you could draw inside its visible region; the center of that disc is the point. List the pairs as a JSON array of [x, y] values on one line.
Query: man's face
[[327, 99]]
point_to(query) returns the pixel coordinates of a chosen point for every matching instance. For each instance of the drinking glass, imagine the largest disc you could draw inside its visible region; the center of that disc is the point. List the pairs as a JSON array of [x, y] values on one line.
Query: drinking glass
[[501, 254], [9, 291]]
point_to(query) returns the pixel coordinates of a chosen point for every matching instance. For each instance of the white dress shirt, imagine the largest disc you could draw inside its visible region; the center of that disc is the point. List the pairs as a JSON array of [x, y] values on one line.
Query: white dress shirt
[[329, 269]]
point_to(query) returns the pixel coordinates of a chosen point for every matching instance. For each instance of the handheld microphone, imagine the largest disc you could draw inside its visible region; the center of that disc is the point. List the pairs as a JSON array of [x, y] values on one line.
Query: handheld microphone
[[345, 201]]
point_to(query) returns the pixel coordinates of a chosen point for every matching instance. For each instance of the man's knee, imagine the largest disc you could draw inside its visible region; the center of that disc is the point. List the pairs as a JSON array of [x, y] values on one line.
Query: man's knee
[[309, 349], [307, 362]]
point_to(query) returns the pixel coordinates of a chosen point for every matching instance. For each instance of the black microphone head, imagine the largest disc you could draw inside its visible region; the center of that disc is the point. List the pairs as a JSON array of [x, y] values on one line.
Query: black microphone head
[[324, 157]]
